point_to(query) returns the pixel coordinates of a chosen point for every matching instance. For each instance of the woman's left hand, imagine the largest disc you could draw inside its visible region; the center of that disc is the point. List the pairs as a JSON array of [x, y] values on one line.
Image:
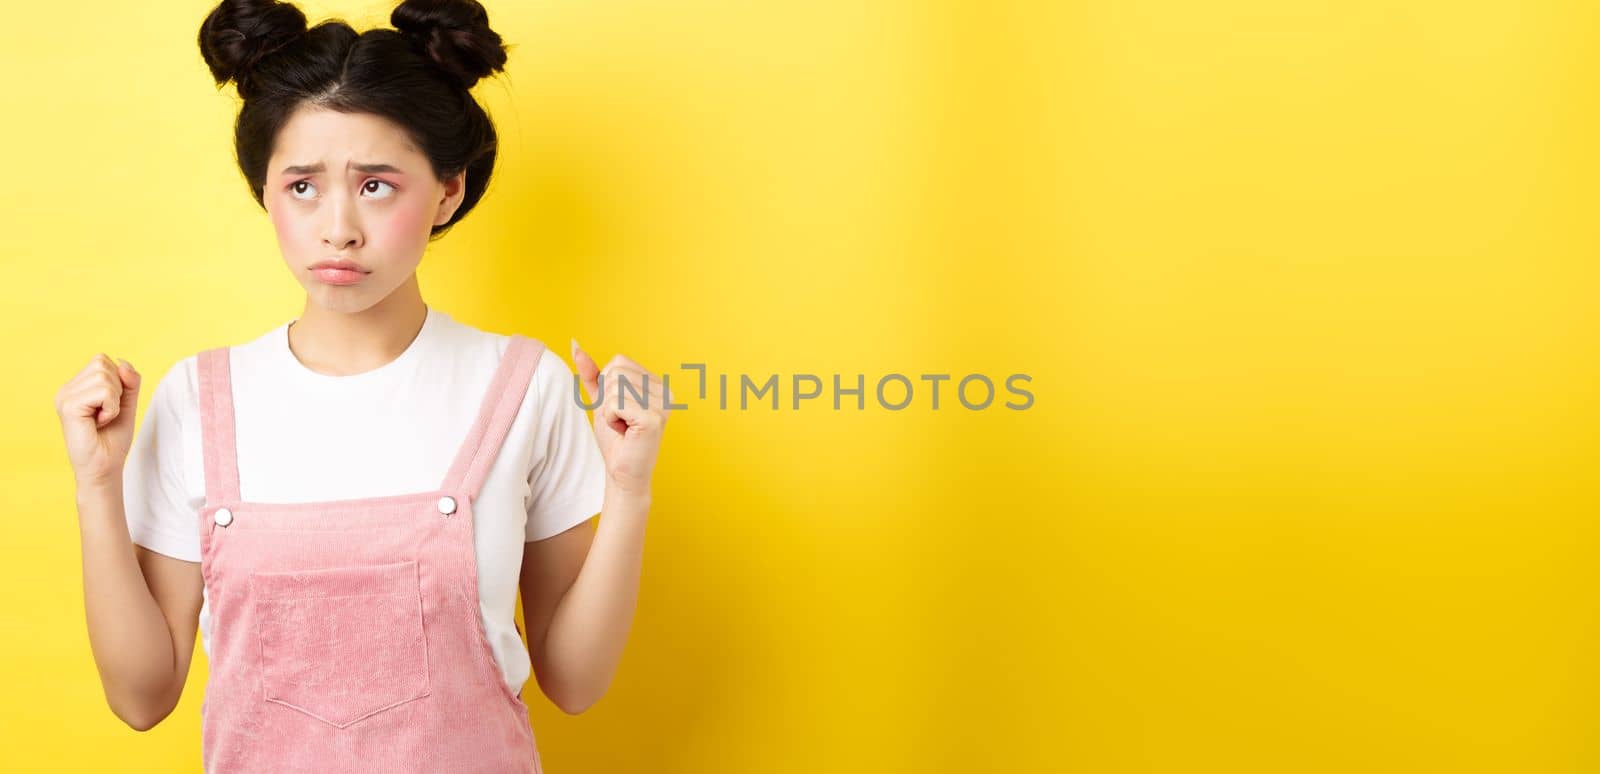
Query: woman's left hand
[[629, 431]]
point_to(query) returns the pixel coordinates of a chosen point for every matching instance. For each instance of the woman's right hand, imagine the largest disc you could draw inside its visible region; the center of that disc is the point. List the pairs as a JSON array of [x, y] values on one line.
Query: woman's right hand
[[97, 410]]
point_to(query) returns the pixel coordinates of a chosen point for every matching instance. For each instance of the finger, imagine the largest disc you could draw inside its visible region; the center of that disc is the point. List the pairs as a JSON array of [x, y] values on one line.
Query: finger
[[131, 379], [587, 370], [109, 397], [94, 400], [83, 400], [605, 415], [94, 364], [636, 377], [629, 382], [637, 419], [621, 359]]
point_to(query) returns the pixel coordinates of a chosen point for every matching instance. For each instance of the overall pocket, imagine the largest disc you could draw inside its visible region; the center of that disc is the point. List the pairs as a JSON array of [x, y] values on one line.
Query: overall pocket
[[342, 643]]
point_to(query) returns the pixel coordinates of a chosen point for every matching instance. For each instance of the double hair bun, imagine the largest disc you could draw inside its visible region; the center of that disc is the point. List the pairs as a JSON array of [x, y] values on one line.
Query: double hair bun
[[452, 34]]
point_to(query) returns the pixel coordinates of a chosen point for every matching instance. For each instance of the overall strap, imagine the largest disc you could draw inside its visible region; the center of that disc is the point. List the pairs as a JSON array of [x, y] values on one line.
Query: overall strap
[[217, 439], [506, 390]]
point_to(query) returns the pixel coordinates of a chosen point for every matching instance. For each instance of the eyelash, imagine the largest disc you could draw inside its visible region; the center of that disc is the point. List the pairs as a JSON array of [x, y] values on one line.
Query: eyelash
[[363, 186]]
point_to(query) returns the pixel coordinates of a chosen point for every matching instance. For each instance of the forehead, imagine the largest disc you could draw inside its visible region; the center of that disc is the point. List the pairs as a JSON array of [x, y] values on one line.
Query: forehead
[[315, 134]]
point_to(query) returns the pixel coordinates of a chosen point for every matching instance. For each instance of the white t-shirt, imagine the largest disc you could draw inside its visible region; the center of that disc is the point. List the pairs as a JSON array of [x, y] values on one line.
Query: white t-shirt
[[391, 430]]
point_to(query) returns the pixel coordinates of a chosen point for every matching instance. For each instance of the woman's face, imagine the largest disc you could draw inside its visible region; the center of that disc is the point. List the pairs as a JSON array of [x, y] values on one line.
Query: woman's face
[[353, 187]]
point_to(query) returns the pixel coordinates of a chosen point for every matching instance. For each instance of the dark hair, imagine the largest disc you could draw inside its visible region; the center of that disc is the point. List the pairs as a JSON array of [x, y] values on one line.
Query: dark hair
[[416, 75]]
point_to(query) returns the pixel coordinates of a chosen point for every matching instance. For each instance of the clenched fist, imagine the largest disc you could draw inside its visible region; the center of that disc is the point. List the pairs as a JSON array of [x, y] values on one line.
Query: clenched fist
[[97, 410], [629, 431]]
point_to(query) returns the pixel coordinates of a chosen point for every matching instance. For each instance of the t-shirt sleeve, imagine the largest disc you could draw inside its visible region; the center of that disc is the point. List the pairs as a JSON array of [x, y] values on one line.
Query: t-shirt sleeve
[[161, 509], [567, 482]]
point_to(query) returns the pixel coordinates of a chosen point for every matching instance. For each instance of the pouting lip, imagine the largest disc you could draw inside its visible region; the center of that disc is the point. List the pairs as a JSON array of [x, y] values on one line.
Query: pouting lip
[[339, 264]]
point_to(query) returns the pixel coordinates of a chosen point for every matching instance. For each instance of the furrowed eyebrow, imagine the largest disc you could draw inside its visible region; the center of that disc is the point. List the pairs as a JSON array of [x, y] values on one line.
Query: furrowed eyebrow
[[308, 169]]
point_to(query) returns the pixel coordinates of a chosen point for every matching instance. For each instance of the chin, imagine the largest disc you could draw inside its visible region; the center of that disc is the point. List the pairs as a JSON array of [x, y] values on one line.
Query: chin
[[348, 299]]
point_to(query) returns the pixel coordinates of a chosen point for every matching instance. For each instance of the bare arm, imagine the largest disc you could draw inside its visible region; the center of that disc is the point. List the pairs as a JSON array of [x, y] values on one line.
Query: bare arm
[[143, 612], [579, 591], [143, 608], [580, 588]]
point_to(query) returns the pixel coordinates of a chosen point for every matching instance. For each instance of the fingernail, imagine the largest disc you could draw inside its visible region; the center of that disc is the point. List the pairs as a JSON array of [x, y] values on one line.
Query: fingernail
[[575, 347]]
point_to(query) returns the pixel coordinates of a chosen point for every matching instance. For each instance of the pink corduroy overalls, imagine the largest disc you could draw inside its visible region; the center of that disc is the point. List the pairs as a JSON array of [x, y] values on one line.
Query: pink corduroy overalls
[[346, 634]]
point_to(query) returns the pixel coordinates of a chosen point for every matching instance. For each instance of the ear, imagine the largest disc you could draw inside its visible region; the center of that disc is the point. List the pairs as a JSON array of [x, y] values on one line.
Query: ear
[[455, 189]]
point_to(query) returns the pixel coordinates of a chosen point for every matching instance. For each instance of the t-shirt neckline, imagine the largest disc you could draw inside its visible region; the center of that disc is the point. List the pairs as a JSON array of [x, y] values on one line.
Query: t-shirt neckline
[[301, 370]]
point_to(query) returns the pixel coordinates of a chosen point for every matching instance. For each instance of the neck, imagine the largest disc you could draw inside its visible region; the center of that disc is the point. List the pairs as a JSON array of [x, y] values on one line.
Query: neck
[[338, 343]]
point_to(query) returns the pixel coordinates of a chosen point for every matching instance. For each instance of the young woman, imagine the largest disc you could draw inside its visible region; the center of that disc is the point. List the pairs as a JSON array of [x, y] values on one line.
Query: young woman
[[346, 507]]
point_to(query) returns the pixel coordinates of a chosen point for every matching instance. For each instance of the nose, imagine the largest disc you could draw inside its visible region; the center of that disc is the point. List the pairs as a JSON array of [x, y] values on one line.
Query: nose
[[342, 228]]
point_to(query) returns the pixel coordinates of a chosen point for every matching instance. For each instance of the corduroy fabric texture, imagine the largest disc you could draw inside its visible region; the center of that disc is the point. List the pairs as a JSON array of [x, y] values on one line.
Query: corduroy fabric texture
[[346, 633]]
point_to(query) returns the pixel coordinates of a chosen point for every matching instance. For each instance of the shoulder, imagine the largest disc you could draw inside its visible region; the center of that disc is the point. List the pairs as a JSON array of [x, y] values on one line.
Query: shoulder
[[179, 388], [552, 379], [177, 391], [551, 375], [550, 382], [552, 370]]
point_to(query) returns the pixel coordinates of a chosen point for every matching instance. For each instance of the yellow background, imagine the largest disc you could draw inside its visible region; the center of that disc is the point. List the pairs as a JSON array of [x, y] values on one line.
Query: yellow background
[[1306, 291]]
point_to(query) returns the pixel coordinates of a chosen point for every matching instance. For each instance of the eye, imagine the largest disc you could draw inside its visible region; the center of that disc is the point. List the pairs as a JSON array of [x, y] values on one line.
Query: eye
[[295, 189], [368, 188]]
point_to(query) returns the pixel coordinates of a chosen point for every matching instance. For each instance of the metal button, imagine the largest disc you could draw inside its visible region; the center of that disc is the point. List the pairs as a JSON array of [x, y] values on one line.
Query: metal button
[[447, 505], [223, 517]]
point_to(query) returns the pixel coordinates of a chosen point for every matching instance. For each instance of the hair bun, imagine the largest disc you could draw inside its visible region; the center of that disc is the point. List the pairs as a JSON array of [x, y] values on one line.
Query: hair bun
[[238, 34], [453, 34]]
